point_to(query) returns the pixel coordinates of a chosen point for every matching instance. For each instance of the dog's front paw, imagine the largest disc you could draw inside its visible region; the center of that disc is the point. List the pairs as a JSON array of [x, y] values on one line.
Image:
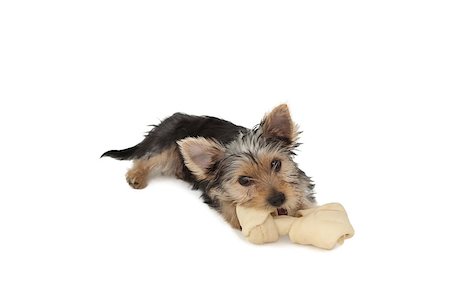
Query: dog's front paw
[[137, 179]]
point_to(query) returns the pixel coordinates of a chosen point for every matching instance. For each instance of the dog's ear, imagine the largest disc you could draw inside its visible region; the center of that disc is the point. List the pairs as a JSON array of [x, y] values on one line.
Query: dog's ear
[[278, 124], [200, 155]]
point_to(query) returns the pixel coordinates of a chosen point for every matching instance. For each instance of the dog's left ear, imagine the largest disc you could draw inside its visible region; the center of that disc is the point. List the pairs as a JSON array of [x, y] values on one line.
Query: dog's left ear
[[200, 155], [278, 124]]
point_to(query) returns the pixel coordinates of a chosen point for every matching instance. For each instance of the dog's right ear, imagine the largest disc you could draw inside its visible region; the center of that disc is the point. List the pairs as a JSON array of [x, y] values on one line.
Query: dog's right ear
[[278, 124], [200, 155]]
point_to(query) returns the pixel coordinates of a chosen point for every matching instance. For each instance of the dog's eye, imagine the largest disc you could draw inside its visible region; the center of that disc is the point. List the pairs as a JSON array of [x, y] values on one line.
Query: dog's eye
[[245, 181], [276, 165]]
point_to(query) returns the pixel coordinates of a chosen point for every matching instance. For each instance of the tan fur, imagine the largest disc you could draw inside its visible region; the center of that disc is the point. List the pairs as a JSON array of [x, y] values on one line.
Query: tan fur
[[267, 181], [166, 163]]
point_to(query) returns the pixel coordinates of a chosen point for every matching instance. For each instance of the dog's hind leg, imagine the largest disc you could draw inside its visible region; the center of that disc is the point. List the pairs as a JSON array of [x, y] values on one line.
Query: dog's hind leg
[[167, 163], [138, 175]]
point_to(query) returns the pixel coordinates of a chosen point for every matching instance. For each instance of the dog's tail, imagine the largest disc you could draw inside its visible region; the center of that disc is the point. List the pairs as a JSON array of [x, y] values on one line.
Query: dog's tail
[[125, 154]]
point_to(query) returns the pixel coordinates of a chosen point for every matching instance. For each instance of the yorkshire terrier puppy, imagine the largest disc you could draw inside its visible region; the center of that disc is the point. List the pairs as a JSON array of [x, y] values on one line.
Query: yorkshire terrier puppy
[[230, 164]]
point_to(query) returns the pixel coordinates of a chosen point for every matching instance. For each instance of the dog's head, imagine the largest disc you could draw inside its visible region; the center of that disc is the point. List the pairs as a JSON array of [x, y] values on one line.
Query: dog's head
[[256, 169]]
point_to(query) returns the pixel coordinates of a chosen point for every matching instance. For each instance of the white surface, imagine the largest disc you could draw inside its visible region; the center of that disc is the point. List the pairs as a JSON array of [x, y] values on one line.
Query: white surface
[[368, 84]]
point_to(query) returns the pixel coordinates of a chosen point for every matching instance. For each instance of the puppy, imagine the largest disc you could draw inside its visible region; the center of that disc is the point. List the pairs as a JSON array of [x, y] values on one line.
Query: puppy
[[230, 164]]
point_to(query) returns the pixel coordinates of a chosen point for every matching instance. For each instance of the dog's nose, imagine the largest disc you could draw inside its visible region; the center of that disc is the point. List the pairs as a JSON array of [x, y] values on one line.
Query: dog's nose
[[277, 199]]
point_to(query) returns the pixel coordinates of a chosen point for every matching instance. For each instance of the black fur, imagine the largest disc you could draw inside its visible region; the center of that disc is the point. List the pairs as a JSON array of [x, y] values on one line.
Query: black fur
[[175, 128]]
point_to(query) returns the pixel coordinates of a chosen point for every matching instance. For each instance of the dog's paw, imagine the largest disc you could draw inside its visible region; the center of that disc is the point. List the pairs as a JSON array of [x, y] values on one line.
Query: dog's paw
[[137, 179]]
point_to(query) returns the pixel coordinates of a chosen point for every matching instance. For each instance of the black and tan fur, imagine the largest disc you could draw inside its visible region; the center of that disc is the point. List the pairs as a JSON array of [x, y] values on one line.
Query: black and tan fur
[[230, 164]]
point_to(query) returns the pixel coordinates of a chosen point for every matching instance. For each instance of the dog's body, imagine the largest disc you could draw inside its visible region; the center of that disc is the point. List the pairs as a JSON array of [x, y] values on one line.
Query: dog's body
[[230, 164]]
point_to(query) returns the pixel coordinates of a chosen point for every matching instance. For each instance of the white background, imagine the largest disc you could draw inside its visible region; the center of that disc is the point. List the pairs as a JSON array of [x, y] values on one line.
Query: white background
[[367, 82]]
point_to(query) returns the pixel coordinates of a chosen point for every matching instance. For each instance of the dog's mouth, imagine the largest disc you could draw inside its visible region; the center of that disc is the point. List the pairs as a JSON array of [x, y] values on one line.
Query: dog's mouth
[[282, 211]]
